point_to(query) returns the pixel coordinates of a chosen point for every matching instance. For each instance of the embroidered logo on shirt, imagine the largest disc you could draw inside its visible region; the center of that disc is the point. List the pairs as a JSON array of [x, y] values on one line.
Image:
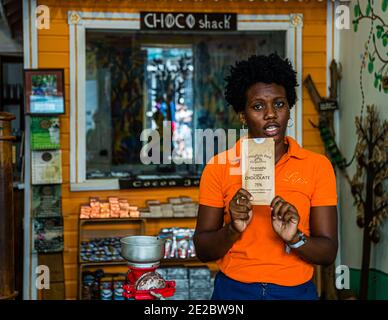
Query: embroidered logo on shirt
[[234, 161], [294, 178]]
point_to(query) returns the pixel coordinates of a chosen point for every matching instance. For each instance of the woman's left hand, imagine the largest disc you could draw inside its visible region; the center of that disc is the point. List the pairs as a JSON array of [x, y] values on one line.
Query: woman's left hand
[[285, 219]]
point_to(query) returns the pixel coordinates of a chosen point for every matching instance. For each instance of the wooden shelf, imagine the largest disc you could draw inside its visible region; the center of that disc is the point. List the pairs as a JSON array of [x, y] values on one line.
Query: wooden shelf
[[177, 260], [102, 263], [125, 262], [173, 218], [99, 220], [107, 220]]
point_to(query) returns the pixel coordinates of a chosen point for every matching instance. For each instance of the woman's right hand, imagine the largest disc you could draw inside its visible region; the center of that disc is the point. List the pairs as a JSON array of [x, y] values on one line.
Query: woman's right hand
[[240, 209]]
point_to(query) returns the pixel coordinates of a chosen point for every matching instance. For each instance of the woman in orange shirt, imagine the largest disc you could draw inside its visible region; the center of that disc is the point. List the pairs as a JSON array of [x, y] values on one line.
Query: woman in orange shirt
[[267, 252]]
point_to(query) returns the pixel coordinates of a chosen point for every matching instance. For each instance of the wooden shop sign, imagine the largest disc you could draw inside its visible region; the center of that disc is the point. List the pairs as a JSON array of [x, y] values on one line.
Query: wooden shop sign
[[138, 183], [186, 21]]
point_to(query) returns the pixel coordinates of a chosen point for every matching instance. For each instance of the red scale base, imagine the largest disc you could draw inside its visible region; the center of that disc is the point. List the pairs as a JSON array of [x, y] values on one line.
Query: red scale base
[[130, 291]]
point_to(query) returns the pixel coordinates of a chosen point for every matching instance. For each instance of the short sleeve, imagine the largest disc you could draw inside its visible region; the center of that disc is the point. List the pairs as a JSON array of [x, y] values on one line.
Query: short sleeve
[[210, 187], [325, 191]]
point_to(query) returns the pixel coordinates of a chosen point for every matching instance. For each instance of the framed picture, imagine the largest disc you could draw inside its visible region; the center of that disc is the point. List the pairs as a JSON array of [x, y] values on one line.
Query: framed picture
[[44, 91]]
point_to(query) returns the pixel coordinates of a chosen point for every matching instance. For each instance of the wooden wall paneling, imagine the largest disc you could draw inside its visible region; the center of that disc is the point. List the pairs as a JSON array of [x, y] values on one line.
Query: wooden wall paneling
[[54, 261], [52, 52]]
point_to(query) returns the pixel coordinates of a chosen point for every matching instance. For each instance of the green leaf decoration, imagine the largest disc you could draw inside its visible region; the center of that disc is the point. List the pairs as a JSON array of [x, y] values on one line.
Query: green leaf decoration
[[355, 25], [376, 83], [368, 9], [370, 67], [357, 11], [380, 31], [385, 40], [384, 5], [378, 78]]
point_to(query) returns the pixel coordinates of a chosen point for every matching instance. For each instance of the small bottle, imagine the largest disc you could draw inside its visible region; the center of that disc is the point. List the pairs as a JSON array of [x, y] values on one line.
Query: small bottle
[[106, 292]]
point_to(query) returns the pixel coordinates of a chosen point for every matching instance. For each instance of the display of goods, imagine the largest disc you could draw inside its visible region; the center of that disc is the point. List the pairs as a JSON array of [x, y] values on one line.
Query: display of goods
[[101, 249], [199, 273], [194, 283], [178, 243], [173, 273], [98, 285], [91, 284], [112, 208], [178, 207]]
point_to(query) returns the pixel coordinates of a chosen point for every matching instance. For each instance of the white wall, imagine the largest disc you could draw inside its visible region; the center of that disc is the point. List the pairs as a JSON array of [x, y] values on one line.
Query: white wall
[[352, 46]]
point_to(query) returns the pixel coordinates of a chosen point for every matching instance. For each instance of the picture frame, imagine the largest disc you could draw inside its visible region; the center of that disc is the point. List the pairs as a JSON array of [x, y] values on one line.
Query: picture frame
[[44, 91]]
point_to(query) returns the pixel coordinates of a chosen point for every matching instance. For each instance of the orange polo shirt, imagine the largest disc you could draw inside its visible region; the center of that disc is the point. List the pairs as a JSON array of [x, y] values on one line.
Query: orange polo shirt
[[304, 179]]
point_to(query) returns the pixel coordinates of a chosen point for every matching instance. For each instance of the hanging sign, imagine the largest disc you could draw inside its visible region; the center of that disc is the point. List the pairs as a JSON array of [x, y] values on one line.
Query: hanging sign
[[179, 21], [328, 105]]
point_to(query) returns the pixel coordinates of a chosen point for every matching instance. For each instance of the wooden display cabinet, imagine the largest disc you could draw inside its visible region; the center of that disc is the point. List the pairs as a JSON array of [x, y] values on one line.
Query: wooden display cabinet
[[102, 228], [120, 227]]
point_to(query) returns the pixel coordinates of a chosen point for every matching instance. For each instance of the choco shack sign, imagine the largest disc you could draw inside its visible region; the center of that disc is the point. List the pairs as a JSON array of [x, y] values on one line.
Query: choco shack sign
[[179, 21]]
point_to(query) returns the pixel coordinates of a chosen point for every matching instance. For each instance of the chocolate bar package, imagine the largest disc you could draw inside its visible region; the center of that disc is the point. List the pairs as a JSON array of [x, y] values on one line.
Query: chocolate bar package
[[46, 201], [46, 167], [258, 169], [48, 234], [45, 133]]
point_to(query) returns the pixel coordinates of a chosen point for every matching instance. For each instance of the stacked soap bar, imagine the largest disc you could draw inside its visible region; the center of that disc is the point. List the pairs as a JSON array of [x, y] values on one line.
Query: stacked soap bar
[[113, 208], [95, 207], [182, 206]]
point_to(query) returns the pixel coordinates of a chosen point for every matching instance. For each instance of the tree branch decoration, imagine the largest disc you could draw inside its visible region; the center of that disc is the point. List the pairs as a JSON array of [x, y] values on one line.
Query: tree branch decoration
[[375, 50], [368, 184], [326, 121]]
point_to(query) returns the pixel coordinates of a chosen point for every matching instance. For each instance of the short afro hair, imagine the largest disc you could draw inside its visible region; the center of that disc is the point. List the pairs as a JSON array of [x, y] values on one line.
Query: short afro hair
[[266, 69]]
